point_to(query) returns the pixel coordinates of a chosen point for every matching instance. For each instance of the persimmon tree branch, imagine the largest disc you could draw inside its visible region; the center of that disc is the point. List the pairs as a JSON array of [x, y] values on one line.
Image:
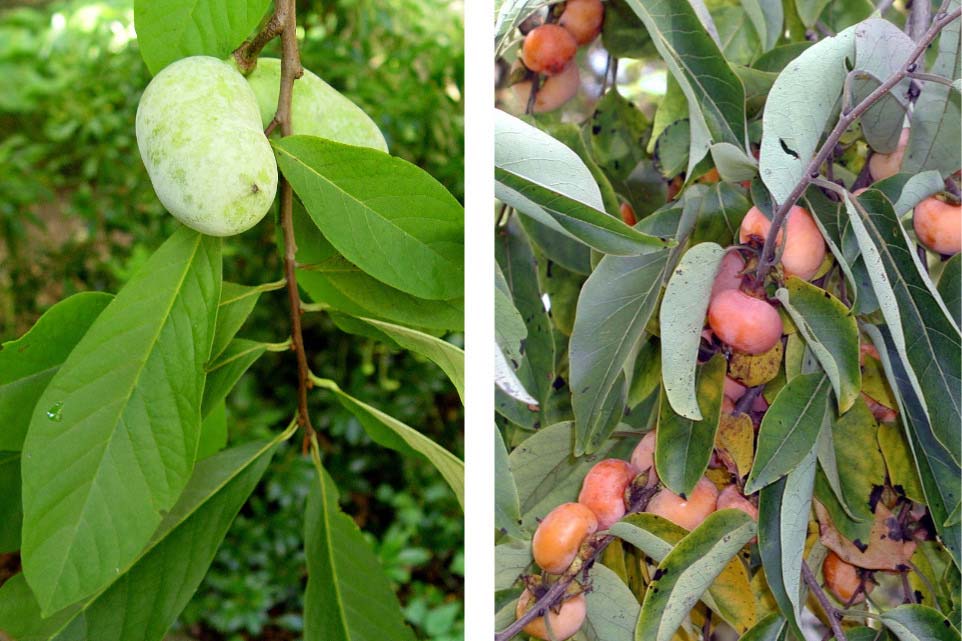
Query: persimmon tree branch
[[558, 591], [812, 171], [834, 617]]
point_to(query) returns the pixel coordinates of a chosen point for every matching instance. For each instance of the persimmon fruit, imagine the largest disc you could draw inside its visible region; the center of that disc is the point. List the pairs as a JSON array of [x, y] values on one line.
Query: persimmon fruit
[[564, 623], [747, 324], [583, 18], [804, 248], [548, 49], [643, 456], [603, 490], [842, 579], [553, 92], [560, 534], [938, 225], [882, 166], [686, 512]]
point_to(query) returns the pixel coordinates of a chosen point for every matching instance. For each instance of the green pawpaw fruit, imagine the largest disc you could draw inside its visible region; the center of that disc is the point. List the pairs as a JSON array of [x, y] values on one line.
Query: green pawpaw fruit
[[317, 108], [200, 136]]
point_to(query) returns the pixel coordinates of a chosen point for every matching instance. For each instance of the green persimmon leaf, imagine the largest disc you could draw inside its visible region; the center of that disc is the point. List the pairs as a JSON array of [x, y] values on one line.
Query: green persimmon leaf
[[768, 629], [348, 595], [685, 446], [919, 623], [689, 569], [168, 30], [730, 594], [784, 508], [507, 504], [789, 429], [164, 576], [545, 180], [113, 439], [383, 214], [612, 607], [950, 287], [830, 331], [28, 363], [392, 433], [899, 462], [681, 319], [767, 17]]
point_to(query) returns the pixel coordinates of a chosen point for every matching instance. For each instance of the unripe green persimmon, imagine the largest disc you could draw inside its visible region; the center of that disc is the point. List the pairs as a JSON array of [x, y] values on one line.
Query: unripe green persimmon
[[317, 108], [200, 136]]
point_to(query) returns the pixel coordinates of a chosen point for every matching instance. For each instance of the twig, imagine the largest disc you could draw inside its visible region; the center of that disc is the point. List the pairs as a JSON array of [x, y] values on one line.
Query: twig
[[291, 69], [952, 188], [907, 596], [558, 590], [918, 19], [246, 54], [830, 611], [767, 259], [533, 96], [931, 77], [706, 628]]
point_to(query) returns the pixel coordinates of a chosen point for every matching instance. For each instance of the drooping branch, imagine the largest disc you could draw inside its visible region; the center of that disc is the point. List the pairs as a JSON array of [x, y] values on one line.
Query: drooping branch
[[767, 259], [558, 591], [834, 618]]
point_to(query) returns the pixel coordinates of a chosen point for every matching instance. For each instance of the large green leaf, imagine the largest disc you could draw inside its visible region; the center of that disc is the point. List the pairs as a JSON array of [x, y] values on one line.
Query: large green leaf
[[937, 117], [113, 438], [783, 513], [331, 279], [236, 304], [685, 446], [28, 363], [442, 353], [612, 608], [729, 595], [950, 287], [392, 433], [926, 337], [830, 331], [787, 148], [227, 369], [151, 593], [938, 472], [348, 595], [768, 629], [681, 319], [383, 214], [919, 623], [507, 504], [171, 29], [881, 48], [614, 308], [767, 17], [11, 507], [789, 429], [689, 569], [545, 180]]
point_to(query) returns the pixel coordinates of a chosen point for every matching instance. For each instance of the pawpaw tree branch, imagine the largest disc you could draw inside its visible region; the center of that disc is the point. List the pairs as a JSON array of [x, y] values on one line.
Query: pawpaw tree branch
[[812, 171], [246, 54]]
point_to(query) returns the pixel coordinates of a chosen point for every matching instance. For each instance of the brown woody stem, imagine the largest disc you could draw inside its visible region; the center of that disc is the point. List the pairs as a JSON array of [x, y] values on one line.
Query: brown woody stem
[[767, 259], [834, 618]]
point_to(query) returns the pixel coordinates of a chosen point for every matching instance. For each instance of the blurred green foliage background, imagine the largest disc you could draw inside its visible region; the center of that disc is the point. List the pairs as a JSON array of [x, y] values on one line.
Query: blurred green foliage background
[[77, 213]]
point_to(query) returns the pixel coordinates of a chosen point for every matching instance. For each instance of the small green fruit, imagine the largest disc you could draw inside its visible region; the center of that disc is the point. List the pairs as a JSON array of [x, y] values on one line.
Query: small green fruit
[[317, 108], [200, 136]]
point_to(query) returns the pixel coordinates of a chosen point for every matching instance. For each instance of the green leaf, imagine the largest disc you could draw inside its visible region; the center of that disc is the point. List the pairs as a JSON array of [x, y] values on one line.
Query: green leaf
[[224, 373], [789, 429], [11, 507], [689, 569], [685, 446], [881, 49], [938, 471], [786, 147], [950, 287], [783, 512], [810, 10], [736, 31], [617, 133], [899, 462], [830, 331], [716, 98], [613, 310], [507, 504], [612, 608], [28, 363], [768, 629], [767, 16], [729, 595], [348, 595], [383, 214], [168, 30], [113, 438], [165, 575], [389, 432], [919, 623], [213, 432], [511, 560], [236, 304], [545, 180], [937, 117], [928, 341], [719, 210], [511, 13], [331, 279], [681, 319], [442, 353]]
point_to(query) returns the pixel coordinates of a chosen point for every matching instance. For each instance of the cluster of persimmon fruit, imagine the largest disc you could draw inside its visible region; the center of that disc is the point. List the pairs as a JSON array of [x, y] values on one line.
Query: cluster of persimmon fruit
[[746, 322], [548, 52]]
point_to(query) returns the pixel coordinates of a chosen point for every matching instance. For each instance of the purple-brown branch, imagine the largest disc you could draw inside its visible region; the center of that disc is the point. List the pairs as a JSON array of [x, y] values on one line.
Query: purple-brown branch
[[767, 258]]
